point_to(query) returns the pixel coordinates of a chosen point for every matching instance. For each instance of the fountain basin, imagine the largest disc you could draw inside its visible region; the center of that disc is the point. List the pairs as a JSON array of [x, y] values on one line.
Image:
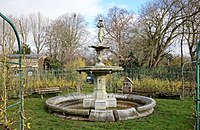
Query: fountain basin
[[100, 69], [129, 106]]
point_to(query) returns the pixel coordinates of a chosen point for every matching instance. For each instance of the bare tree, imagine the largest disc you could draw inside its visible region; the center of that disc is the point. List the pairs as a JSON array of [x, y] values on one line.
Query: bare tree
[[159, 22], [66, 35], [191, 30], [52, 40], [23, 29], [8, 35], [38, 24], [118, 25]]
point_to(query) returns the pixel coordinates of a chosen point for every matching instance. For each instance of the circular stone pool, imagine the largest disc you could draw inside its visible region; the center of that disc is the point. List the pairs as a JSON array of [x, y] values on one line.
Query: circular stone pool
[[129, 106]]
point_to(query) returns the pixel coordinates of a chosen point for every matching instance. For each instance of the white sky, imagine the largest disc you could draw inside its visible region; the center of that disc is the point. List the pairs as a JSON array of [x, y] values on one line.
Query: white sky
[[50, 8], [55, 8]]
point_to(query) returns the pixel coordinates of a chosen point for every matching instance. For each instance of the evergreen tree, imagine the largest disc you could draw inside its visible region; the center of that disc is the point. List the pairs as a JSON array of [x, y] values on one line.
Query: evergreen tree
[[26, 49]]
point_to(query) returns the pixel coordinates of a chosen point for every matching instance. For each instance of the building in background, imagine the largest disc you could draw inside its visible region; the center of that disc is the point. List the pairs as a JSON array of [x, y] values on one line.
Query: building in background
[[30, 61]]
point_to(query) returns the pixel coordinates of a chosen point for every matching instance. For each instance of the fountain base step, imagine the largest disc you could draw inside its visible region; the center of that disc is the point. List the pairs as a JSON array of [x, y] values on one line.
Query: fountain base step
[[99, 104], [101, 115], [88, 102]]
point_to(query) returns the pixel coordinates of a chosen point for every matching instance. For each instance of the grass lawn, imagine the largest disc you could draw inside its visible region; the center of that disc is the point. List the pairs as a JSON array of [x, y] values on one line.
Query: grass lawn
[[168, 115]]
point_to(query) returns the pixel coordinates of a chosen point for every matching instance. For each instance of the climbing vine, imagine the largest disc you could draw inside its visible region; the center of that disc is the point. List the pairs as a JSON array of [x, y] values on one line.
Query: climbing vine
[[3, 105]]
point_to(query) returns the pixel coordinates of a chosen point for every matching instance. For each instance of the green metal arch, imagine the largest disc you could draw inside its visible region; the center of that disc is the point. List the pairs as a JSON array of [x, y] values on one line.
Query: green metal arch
[[20, 70], [197, 88]]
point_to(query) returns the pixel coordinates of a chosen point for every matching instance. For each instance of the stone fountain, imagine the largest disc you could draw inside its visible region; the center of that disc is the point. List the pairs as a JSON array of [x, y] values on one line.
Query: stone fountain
[[100, 106], [100, 99]]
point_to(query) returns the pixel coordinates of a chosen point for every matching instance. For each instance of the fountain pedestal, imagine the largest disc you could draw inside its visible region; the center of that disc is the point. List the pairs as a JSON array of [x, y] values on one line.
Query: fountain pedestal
[[99, 99]]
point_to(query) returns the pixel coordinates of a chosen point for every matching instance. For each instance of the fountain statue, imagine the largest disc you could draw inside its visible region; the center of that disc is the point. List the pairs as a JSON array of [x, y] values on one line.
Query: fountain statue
[[100, 106], [100, 25]]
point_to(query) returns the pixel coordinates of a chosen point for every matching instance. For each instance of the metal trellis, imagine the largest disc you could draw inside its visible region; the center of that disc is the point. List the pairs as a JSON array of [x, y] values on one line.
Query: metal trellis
[[20, 103], [197, 88]]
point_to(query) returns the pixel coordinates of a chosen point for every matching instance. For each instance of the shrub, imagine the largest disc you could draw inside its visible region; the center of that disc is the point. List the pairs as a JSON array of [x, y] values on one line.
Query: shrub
[[157, 85]]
